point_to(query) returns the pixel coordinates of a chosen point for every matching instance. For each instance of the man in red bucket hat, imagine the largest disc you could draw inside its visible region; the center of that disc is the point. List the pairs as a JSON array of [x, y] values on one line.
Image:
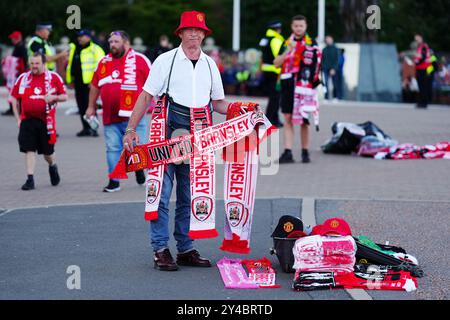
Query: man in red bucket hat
[[190, 83]]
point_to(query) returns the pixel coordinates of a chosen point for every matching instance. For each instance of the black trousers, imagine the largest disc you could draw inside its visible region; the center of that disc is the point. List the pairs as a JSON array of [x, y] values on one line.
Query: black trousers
[[270, 90], [425, 89], [82, 97]]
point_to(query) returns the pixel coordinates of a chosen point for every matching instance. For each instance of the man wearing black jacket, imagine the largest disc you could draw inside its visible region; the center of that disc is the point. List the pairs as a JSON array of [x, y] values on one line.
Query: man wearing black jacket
[[330, 65]]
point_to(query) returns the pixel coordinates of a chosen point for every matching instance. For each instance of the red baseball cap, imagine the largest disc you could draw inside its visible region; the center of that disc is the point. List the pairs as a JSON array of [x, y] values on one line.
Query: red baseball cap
[[333, 226], [193, 19], [15, 35]]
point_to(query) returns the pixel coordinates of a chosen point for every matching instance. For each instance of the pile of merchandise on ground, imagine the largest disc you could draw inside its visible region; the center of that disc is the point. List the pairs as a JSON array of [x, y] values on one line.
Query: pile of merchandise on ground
[[325, 257], [368, 140], [329, 257]]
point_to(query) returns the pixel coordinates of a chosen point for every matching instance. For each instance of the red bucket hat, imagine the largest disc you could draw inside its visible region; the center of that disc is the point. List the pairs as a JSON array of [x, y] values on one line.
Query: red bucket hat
[[193, 19], [334, 226]]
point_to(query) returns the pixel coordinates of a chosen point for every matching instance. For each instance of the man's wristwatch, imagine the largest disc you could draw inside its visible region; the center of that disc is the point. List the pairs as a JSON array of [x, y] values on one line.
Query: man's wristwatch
[[130, 130]]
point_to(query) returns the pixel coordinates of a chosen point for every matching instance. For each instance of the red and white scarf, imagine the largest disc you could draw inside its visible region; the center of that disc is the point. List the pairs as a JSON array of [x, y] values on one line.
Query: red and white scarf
[[203, 182], [155, 176], [306, 100], [126, 76]]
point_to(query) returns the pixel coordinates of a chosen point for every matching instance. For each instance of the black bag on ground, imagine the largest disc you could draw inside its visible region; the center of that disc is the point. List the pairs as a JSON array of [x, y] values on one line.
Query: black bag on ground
[[368, 256], [345, 140]]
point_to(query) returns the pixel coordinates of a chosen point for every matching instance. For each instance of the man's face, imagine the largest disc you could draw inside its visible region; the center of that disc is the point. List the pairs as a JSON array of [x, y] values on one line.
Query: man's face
[[192, 37], [84, 40], [329, 40], [418, 39], [15, 41], [36, 65], [44, 33], [299, 27], [117, 46]]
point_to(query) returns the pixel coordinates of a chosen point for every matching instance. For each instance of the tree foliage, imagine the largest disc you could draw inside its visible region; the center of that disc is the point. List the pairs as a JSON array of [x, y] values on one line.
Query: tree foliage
[[151, 18]]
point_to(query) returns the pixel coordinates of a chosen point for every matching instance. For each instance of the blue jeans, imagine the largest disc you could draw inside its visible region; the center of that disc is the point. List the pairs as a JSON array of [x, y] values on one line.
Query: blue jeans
[[159, 229], [114, 140]]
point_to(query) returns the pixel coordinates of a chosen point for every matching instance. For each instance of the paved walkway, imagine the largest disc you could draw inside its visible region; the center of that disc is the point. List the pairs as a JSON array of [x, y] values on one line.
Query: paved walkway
[[405, 202]]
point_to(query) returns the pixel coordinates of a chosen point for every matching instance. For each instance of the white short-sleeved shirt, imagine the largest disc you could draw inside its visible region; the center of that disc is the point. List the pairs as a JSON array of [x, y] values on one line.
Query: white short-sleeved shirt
[[188, 86]]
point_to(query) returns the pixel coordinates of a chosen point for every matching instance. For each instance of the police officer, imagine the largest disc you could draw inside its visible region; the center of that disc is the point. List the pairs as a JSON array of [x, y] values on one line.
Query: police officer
[[83, 59], [39, 43], [271, 45]]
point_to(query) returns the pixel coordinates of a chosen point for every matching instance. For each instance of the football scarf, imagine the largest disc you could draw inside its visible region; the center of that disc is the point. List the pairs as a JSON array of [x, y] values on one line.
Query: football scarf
[[379, 279], [155, 176], [234, 275], [241, 170], [181, 148], [126, 76], [409, 151], [203, 182], [306, 99], [291, 64], [50, 110]]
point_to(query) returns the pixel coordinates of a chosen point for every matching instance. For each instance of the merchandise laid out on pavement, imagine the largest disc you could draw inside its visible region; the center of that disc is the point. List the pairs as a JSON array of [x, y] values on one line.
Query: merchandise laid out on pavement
[[260, 274], [368, 140], [330, 257]]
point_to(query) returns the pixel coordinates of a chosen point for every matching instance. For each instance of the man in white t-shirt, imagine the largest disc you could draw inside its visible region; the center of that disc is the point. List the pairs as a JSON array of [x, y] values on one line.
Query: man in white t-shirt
[[195, 82]]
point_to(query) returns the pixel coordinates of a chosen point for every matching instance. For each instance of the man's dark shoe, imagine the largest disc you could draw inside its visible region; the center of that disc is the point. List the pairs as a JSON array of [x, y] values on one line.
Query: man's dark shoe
[[192, 259], [305, 156], [8, 112], [29, 185], [286, 157], [113, 186], [140, 177], [164, 261], [54, 175], [84, 133], [278, 124]]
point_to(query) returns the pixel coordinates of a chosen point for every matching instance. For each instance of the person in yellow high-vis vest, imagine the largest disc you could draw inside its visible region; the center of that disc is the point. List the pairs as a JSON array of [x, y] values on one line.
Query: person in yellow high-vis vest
[[83, 60], [270, 46], [39, 43]]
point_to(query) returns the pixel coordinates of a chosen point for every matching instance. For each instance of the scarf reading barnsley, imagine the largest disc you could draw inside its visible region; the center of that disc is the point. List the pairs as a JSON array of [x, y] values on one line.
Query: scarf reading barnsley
[[155, 174], [241, 170], [129, 90]]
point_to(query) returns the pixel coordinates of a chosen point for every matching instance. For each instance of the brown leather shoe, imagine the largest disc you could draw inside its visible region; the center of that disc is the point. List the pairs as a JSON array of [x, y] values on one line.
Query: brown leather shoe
[[192, 259], [164, 261]]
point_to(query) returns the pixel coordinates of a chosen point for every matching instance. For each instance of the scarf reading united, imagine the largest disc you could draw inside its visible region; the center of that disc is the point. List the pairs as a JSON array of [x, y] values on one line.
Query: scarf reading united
[[240, 135]]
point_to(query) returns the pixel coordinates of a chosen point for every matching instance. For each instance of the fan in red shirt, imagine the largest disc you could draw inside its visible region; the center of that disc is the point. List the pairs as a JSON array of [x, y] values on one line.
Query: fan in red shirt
[[118, 80], [36, 93]]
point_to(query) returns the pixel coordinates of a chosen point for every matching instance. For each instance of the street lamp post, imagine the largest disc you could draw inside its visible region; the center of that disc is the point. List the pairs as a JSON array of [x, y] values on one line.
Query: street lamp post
[[321, 22], [236, 25]]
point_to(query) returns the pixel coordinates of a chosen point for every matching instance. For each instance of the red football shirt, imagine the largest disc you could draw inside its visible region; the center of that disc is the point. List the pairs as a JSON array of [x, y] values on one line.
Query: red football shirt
[[110, 93], [32, 94]]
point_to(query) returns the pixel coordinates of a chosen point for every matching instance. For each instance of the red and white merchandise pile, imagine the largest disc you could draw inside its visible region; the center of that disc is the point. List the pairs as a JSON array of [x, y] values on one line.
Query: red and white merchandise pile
[[327, 260]]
